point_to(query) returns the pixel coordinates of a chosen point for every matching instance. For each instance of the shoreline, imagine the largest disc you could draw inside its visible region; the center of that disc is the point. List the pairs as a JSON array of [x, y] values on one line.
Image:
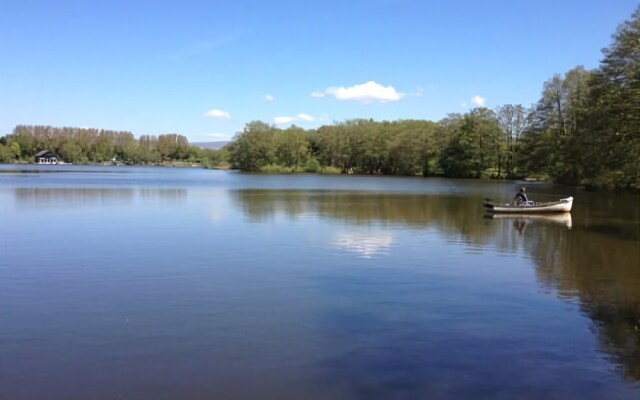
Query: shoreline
[[110, 164], [227, 167]]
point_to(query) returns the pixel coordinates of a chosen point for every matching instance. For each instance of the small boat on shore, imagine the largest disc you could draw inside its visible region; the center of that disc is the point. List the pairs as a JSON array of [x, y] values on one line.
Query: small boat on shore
[[560, 206]]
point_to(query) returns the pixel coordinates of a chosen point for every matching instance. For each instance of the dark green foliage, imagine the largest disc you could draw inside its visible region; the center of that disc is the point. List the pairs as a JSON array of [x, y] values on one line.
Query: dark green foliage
[[356, 146], [312, 166], [615, 107], [253, 148]]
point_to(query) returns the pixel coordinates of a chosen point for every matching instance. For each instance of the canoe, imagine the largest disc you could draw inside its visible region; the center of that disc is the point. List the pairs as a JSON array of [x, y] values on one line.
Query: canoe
[[562, 205]]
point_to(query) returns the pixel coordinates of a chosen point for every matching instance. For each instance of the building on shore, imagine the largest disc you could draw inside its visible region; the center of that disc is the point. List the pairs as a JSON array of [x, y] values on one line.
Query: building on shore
[[47, 157]]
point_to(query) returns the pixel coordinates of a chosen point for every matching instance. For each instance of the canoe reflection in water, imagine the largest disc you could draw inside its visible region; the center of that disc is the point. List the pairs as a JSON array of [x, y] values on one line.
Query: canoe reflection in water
[[520, 221]]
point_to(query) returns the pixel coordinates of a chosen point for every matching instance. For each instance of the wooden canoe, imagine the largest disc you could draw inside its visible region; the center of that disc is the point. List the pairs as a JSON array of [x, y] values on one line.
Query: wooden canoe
[[560, 206]]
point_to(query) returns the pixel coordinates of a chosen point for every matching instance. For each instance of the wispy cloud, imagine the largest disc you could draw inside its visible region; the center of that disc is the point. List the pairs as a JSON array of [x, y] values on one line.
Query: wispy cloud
[[324, 119], [317, 94], [305, 117], [205, 46], [419, 91], [464, 105], [216, 113], [269, 97], [478, 101], [287, 120], [365, 92]]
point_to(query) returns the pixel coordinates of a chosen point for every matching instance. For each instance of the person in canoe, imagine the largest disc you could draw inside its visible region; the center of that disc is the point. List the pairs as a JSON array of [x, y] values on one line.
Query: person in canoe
[[521, 198]]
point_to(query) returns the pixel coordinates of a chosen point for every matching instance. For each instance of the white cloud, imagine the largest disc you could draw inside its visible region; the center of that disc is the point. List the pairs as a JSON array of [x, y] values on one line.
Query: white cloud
[[269, 97], [287, 120], [317, 94], [305, 117], [283, 120], [419, 91], [369, 91], [464, 105], [478, 101], [216, 113]]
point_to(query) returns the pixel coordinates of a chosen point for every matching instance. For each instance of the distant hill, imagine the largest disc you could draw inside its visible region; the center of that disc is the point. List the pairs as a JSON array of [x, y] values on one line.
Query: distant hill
[[210, 145]]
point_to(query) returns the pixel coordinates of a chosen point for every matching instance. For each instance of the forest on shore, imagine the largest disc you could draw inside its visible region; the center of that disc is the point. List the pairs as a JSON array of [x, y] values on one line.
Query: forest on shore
[[584, 130], [96, 146]]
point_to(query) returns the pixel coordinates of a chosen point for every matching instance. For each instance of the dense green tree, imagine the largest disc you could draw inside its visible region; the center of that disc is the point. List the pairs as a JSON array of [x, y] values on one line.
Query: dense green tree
[[253, 147], [15, 149], [474, 147], [614, 111], [147, 152], [514, 121], [172, 146], [550, 142], [24, 139], [102, 148], [6, 155], [291, 147], [71, 152]]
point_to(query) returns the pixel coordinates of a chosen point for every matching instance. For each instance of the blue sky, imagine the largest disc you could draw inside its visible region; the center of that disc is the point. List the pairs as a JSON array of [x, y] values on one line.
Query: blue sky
[[205, 68]]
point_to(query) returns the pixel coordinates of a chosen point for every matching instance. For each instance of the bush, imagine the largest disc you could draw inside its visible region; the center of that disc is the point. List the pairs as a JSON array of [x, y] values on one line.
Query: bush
[[329, 170], [312, 166], [276, 169]]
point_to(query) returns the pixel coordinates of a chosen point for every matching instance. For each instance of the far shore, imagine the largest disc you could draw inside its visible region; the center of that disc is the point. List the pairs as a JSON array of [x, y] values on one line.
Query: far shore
[[176, 164]]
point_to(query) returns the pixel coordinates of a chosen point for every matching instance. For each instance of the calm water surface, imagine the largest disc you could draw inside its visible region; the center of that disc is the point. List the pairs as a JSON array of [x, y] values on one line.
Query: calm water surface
[[160, 283]]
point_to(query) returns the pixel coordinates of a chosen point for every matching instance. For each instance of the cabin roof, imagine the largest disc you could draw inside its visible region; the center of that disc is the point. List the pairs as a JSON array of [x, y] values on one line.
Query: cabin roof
[[42, 153]]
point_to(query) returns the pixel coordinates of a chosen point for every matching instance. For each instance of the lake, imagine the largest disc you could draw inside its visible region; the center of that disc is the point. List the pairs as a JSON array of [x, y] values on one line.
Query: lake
[[168, 283]]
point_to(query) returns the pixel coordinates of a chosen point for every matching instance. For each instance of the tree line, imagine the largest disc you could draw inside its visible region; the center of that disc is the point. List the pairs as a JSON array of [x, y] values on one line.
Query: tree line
[[482, 143], [82, 145], [584, 129]]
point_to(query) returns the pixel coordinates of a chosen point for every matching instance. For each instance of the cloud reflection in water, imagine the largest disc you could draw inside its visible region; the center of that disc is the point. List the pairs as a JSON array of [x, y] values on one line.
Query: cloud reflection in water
[[365, 244]]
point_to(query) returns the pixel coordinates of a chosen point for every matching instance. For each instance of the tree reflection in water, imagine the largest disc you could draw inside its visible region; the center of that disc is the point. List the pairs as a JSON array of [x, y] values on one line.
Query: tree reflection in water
[[595, 261]]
